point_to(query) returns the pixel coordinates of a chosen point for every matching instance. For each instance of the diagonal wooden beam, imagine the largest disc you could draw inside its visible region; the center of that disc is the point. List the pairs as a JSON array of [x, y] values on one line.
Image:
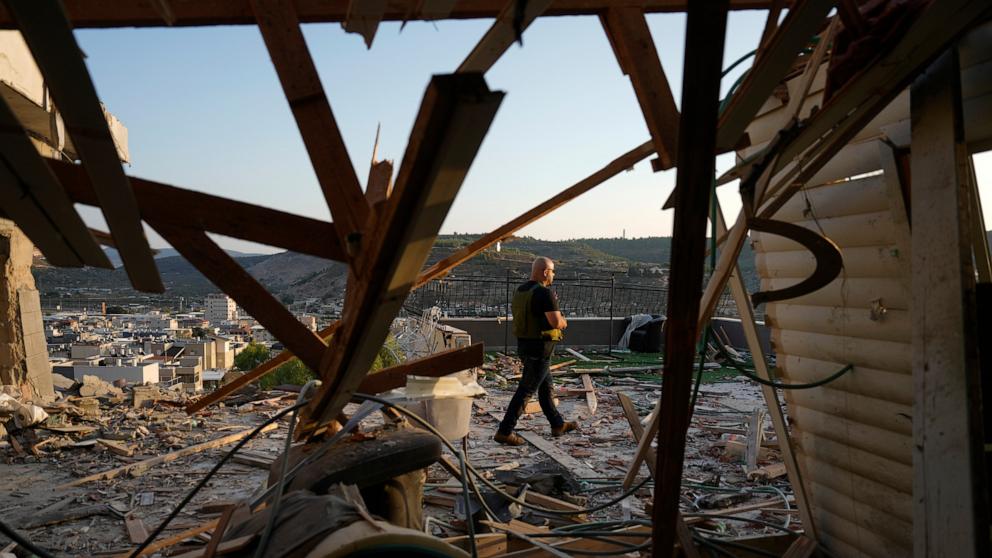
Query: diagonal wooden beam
[[49, 36], [128, 13], [32, 197], [804, 19], [501, 35], [223, 271], [705, 33], [615, 167], [435, 365], [454, 117], [157, 201], [442, 267], [280, 27], [255, 374], [638, 57]]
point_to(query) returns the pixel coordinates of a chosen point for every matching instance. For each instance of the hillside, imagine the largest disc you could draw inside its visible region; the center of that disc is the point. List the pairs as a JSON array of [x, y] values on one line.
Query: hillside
[[292, 276]]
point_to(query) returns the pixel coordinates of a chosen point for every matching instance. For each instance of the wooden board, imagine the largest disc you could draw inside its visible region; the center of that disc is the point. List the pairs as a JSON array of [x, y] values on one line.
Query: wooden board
[[98, 13], [578, 468], [454, 117], [502, 35], [48, 33], [438, 364], [280, 27], [627, 29], [157, 201], [590, 393]]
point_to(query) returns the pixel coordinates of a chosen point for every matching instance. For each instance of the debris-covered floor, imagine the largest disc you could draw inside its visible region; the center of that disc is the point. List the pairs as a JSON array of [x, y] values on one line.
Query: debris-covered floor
[[105, 431]]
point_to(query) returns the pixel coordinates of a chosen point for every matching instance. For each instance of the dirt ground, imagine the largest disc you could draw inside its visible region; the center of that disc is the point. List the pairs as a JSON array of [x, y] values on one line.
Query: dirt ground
[[37, 461]]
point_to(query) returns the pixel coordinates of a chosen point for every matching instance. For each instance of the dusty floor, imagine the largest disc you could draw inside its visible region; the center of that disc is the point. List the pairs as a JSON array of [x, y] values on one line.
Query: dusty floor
[[30, 492]]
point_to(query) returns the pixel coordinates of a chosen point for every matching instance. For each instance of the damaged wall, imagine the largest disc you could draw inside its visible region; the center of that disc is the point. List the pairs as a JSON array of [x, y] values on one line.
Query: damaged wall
[[23, 349]]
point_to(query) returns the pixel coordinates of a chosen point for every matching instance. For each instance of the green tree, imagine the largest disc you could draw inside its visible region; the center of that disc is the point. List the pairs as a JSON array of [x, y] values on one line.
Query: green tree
[[293, 372], [251, 356]]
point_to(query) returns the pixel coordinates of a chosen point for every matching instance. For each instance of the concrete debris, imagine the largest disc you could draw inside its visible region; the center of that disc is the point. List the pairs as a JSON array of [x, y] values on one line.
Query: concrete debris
[[61, 382], [95, 387]]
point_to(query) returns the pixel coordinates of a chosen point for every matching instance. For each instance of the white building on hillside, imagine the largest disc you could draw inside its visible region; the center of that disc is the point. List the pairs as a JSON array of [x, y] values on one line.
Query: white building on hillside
[[220, 308]]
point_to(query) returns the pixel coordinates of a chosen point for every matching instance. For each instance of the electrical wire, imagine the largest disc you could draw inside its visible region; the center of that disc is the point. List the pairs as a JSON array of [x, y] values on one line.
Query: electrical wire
[[18, 538], [199, 486], [744, 519], [419, 420], [263, 544], [780, 385]]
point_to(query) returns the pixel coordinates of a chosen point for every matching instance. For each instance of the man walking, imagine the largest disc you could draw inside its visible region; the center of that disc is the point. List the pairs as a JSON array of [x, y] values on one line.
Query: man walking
[[538, 325]]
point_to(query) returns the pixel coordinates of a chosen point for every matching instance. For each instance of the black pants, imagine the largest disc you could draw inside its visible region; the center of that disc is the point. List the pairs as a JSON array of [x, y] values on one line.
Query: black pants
[[536, 377]]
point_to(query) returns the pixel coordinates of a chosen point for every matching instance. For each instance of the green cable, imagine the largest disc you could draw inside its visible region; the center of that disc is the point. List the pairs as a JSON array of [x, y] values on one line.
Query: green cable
[[780, 385]]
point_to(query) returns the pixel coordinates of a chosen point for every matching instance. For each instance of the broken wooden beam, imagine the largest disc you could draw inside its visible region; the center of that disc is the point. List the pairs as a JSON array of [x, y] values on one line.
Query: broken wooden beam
[[100, 14], [140, 466], [33, 198], [47, 31], [705, 34], [804, 19], [438, 364], [157, 201], [590, 393], [280, 26], [502, 34], [254, 375], [201, 251], [454, 117], [615, 167], [628, 31]]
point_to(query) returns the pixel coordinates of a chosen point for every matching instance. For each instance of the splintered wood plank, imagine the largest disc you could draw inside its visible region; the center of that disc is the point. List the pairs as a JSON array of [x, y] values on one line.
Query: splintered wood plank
[[502, 34], [136, 529], [158, 201], [141, 466], [590, 393], [380, 183], [615, 167], [438, 364], [31, 196], [804, 19], [705, 34], [578, 468], [223, 271], [48, 34], [637, 428], [280, 27], [364, 17], [454, 117], [638, 57], [938, 26]]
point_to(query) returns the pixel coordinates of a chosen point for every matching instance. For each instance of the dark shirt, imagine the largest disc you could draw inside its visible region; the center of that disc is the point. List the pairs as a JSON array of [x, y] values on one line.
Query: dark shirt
[[543, 300]]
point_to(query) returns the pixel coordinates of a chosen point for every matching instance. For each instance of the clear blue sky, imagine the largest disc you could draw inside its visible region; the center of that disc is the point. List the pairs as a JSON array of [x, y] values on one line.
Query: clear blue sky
[[204, 110]]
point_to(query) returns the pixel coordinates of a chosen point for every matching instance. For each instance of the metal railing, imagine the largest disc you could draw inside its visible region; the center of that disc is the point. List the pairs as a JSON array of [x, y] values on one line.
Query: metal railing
[[489, 297]]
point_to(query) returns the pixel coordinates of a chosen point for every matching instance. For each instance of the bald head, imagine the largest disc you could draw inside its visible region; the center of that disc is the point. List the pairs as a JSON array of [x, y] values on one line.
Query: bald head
[[542, 270]]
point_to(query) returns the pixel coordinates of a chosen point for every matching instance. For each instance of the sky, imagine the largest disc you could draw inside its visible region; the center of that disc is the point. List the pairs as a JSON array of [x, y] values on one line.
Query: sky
[[205, 111]]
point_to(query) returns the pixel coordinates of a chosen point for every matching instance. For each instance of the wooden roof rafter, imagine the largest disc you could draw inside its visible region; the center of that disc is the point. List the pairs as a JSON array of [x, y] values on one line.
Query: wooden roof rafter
[[628, 31], [280, 27], [130, 13], [48, 34], [223, 271], [454, 117], [32, 196], [501, 35], [705, 35], [156, 202]]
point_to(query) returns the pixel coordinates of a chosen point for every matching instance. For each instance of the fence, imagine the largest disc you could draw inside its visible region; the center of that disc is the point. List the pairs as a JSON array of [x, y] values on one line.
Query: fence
[[489, 297]]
